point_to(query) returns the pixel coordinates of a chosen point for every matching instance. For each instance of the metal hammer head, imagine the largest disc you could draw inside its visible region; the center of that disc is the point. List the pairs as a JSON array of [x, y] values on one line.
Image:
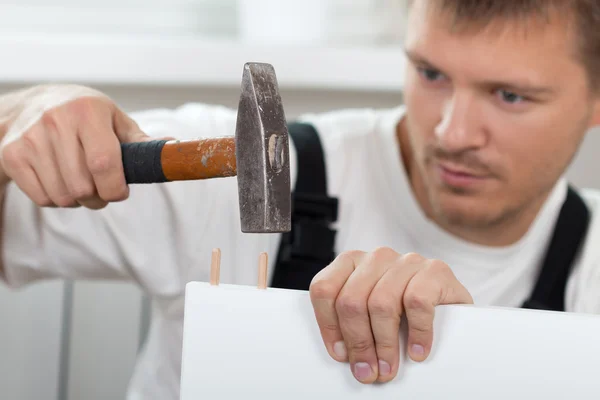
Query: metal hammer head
[[262, 153]]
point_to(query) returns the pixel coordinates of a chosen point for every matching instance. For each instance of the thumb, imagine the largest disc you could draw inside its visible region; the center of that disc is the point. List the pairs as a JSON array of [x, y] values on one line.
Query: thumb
[[128, 131], [142, 137]]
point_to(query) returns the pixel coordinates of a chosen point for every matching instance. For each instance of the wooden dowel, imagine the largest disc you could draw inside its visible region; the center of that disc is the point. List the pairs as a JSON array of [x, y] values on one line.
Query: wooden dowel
[[215, 267], [263, 260]]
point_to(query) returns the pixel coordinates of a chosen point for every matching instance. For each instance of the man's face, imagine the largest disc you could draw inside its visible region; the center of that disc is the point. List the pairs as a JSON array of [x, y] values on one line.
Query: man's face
[[494, 116]]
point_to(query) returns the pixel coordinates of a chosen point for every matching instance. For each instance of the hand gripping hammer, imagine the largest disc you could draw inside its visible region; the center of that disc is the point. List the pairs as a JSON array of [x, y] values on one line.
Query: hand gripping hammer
[[258, 155]]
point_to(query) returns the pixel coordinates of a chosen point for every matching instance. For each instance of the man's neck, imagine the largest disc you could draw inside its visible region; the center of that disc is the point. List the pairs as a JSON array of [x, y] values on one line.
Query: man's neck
[[504, 233]]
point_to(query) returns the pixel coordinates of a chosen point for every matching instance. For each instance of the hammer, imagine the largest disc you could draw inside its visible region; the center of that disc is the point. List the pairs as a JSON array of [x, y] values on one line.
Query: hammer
[[258, 155]]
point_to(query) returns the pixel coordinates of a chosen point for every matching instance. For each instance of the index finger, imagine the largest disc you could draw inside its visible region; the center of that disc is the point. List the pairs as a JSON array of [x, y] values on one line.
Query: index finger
[[324, 290], [102, 149]]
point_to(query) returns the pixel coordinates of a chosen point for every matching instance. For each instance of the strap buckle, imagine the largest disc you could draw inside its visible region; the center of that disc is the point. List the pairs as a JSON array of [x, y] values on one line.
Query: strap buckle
[[314, 206], [311, 237]]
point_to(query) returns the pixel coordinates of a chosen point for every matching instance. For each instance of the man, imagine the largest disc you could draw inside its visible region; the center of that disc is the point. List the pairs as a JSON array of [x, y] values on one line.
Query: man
[[454, 195]]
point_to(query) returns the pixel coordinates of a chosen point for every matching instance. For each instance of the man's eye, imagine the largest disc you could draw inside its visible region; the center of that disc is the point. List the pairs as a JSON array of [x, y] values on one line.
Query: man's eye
[[430, 74], [510, 97]]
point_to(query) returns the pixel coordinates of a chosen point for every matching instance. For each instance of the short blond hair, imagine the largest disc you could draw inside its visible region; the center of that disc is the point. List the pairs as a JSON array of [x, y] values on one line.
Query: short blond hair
[[585, 17]]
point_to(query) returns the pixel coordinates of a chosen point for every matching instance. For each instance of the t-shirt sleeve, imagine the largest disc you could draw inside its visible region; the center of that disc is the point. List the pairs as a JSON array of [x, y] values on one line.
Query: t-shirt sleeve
[[148, 238], [583, 288]]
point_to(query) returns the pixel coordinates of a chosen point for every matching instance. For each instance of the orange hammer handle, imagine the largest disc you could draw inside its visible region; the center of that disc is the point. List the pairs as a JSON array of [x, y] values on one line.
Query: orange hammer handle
[[179, 160], [199, 159]]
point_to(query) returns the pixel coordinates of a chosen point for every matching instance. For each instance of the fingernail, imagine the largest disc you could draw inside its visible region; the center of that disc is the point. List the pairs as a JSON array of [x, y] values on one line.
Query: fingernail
[[362, 371], [384, 368], [417, 350], [339, 348]]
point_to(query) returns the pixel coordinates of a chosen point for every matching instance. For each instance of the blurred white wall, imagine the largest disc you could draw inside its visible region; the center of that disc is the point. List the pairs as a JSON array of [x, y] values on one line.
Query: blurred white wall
[[584, 171], [30, 342]]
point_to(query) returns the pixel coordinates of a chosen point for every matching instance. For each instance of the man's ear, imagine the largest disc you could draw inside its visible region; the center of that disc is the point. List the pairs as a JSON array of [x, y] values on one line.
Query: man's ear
[[595, 122]]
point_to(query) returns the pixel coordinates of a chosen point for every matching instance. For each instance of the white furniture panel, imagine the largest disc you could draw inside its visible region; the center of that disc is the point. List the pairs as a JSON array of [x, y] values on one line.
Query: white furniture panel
[[268, 342]]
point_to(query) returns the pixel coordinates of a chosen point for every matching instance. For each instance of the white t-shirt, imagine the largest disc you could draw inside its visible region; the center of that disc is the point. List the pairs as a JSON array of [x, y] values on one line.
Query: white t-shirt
[[162, 236]]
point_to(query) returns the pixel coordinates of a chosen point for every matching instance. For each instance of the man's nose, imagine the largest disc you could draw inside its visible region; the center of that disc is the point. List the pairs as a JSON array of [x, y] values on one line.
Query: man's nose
[[460, 128]]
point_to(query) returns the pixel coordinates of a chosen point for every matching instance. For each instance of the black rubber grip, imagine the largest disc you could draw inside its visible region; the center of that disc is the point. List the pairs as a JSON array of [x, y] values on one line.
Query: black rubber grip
[[142, 163]]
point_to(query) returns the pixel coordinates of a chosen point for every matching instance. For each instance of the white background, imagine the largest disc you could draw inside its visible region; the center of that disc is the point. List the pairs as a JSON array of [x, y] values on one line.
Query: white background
[[64, 342]]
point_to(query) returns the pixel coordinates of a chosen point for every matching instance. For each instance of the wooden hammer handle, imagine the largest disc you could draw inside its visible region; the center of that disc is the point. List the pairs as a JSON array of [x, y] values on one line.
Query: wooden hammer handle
[[179, 160]]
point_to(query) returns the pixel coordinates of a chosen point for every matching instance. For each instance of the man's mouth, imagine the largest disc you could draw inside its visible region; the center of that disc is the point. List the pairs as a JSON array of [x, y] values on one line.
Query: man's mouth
[[457, 176]]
